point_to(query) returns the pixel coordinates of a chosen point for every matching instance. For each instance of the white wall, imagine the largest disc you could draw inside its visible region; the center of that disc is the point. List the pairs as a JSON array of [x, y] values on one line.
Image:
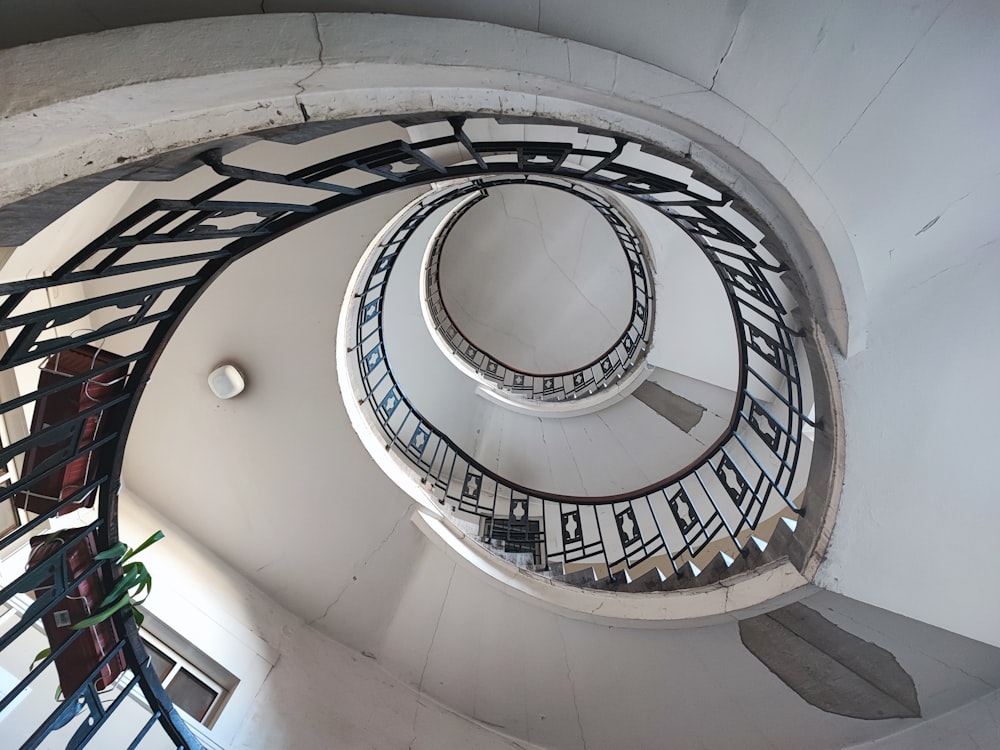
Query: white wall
[[536, 278], [625, 445], [694, 333], [891, 111], [210, 605], [44, 253], [922, 415], [974, 726], [298, 688], [566, 683]]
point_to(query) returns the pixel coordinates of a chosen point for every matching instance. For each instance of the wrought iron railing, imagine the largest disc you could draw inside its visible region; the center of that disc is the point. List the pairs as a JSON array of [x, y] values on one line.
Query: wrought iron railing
[[720, 495], [150, 267], [606, 370], [84, 710]]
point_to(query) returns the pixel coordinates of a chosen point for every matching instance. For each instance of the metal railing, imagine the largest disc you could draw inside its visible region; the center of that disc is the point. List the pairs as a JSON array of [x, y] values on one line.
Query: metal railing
[[606, 370], [720, 495], [132, 285], [83, 711]]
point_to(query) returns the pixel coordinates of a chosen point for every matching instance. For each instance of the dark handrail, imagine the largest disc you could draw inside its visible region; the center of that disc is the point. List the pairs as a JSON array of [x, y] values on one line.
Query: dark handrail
[[157, 292], [730, 474], [604, 370]]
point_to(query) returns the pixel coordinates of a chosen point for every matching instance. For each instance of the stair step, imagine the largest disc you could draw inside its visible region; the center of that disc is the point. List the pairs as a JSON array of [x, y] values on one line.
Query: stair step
[[579, 578], [753, 552], [557, 572], [618, 582], [717, 569], [552, 570], [740, 564], [686, 577], [756, 552], [777, 545], [651, 580]]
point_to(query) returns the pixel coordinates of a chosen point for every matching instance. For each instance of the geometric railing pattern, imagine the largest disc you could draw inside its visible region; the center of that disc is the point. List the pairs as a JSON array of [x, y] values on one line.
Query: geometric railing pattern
[[718, 496], [605, 370], [150, 267]]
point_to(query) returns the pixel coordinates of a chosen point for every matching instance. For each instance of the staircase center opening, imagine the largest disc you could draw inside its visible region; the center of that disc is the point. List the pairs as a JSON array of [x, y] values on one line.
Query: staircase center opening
[[537, 278]]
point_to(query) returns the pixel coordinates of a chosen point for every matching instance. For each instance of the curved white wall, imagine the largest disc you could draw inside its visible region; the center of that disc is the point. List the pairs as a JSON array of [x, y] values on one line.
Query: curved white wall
[[838, 112], [537, 278]]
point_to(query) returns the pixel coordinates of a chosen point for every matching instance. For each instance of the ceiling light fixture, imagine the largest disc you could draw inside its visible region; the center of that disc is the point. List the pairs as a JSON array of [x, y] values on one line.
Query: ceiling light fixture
[[226, 381]]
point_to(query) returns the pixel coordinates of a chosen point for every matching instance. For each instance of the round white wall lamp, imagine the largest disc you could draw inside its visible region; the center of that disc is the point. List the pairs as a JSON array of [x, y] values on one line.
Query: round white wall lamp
[[226, 381]]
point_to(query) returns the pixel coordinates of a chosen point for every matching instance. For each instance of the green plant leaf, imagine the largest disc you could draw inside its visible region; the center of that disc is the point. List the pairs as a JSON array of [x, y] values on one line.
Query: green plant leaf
[[135, 582], [146, 584], [43, 654], [153, 538], [113, 553], [129, 580], [138, 615], [104, 614]]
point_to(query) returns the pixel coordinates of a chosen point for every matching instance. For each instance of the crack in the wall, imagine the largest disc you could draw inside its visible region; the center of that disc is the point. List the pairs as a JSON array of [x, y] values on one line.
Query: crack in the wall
[[545, 247], [937, 218], [437, 624], [910, 645], [637, 469], [883, 87], [572, 456], [499, 449], [572, 685], [928, 225], [364, 563], [85, 7], [545, 448], [263, 683], [413, 728], [729, 47], [301, 83], [943, 271], [820, 36]]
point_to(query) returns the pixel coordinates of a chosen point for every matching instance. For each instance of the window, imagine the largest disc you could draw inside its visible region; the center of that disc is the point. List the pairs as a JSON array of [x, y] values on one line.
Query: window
[[195, 685]]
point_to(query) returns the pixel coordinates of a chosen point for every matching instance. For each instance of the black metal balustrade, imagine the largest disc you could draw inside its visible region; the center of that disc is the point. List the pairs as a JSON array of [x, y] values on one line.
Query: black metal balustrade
[[625, 353], [132, 285], [720, 495]]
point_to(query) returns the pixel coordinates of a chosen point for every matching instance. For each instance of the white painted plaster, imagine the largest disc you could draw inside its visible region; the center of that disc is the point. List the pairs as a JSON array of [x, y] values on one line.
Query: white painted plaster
[[974, 726], [699, 607], [877, 203], [603, 398], [536, 278], [622, 447], [511, 61], [693, 333], [297, 688], [548, 678], [921, 414], [211, 605]]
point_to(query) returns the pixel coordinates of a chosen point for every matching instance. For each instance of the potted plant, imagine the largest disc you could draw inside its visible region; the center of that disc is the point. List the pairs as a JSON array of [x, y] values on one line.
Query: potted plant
[[90, 605]]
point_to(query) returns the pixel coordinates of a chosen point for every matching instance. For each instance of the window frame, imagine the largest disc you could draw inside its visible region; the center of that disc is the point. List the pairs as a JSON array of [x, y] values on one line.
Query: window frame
[[192, 666]]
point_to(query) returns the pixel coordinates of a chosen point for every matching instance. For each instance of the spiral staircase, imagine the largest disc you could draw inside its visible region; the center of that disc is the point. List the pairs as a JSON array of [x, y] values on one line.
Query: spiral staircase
[[412, 531]]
